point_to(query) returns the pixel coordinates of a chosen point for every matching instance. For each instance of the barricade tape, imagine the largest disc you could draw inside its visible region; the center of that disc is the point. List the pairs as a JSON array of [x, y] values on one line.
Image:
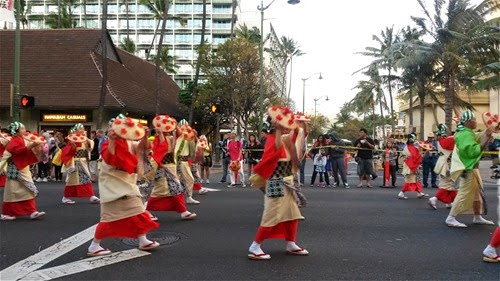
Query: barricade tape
[[357, 148]]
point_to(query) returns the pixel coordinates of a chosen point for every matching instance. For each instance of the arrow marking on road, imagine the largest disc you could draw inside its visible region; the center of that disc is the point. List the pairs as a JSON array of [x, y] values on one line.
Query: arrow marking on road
[[34, 262], [84, 265]]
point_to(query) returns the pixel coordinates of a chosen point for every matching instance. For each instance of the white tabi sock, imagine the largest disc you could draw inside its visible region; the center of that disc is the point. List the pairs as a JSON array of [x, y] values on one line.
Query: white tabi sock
[[255, 248]]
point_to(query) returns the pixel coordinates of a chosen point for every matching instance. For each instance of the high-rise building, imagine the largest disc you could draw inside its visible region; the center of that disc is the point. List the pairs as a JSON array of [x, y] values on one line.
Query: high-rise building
[[130, 18]]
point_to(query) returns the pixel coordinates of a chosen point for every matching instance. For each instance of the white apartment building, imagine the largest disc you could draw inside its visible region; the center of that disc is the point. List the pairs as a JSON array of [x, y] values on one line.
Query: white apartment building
[[129, 17]]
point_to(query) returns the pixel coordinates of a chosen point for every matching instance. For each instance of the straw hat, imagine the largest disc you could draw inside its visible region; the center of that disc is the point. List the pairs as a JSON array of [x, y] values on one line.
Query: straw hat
[[234, 166], [187, 132], [283, 116], [302, 117], [202, 143], [164, 123], [128, 129], [77, 137], [34, 137], [5, 136], [490, 119]]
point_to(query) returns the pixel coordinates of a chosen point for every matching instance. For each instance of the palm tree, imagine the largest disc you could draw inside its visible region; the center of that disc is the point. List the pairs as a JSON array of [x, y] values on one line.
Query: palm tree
[[289, 50], [370, 94], [64, 17], [198, 61], [167, 61], [23, 13], [252, 35], [384, 59], [128, 45], [462, 38], [344, 115], [159, 8]]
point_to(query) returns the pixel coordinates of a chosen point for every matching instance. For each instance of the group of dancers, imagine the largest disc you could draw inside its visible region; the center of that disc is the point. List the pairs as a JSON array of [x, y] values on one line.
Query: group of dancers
[[137, 176], [457, 166]]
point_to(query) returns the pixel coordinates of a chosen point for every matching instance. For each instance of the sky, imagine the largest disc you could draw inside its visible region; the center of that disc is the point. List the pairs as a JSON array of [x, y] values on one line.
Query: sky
[[330, 32]]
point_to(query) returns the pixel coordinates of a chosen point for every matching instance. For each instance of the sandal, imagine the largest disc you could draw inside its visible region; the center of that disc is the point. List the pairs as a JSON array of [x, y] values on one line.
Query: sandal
[[101, 252], [149, 246], [262, 256]]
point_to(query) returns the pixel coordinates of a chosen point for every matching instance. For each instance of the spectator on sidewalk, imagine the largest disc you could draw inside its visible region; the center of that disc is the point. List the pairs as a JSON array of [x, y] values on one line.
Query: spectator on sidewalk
[[364, 158], [337, 155], [225, 157]]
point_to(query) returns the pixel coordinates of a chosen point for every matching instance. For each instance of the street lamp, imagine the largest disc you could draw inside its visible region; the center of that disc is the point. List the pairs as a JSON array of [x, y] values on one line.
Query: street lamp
[[304, 89], [261, 8], [315, 101]]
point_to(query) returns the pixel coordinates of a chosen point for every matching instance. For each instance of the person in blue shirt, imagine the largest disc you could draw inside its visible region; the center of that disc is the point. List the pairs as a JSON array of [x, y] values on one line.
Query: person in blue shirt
[[429, 162]]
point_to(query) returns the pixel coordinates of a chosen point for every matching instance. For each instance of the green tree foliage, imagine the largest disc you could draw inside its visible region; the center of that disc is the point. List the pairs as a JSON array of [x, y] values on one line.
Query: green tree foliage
[[65, 17], [128, 45]]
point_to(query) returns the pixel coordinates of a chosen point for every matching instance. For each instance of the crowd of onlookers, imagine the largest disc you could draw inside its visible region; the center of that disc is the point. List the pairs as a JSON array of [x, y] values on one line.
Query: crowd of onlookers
[[49, 168]]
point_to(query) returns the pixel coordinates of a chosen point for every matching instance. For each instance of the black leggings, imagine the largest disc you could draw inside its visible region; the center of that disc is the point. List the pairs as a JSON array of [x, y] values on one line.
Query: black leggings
[[57, 172], [325, 174]]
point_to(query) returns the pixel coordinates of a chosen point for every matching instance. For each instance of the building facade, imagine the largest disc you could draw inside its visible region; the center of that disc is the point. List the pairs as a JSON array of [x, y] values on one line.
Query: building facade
[[135, 20]]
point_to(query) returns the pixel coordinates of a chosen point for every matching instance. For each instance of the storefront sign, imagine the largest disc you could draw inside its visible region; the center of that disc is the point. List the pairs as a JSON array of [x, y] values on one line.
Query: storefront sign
[[64, 117]]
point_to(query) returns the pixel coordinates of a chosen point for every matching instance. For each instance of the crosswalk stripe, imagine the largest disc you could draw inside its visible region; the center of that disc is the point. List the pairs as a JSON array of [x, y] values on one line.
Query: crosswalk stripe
[[84, 265], [38, 260]]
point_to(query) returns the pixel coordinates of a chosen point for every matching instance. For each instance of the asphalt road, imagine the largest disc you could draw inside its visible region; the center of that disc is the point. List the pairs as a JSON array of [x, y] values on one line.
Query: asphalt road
[[351, 234]]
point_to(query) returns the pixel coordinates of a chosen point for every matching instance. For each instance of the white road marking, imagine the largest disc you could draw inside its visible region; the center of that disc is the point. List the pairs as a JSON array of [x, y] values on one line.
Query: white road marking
[[84, 265], [211, 189], [38, 260]]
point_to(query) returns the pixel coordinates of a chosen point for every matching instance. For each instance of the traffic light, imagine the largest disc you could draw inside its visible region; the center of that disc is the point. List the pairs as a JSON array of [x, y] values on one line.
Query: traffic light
[[215, 108], [27, 101]]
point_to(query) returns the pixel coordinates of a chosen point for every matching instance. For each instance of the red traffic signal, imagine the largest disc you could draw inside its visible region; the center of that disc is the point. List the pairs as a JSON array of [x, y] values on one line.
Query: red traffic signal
[[27, 101]]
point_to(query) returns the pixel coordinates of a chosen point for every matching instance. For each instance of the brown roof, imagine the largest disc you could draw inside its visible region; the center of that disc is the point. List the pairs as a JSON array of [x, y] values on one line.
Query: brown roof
[[59, 67]]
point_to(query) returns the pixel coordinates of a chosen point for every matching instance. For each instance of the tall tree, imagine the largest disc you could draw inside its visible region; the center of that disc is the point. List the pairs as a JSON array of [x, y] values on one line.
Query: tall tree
[[64, 18], [198, 62], [384, 59], [461, 38]]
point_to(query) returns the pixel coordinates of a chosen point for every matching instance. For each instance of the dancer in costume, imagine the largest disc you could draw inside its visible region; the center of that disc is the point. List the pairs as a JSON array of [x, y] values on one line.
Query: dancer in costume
[[446, 191], [20, 191], [75, 159], [274, 175], [184, 145], [122, 210], [490, 253], [300, 140], [167, 193], [413, 159], [4, 139], [464, 164], [196, 159]]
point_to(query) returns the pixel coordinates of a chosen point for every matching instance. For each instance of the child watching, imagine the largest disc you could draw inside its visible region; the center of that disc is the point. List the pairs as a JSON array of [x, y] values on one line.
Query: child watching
[[320, 167]]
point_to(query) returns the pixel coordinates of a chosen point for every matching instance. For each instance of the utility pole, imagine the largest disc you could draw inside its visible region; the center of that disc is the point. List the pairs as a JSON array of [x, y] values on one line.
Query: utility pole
[[17, 63]]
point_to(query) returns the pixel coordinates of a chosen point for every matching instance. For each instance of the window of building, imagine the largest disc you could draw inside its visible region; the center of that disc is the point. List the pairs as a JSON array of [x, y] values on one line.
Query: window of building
[[132, 8], [146, 23], [93, 9], [131, 23], [222, 24], [222, 9], [182, 8]]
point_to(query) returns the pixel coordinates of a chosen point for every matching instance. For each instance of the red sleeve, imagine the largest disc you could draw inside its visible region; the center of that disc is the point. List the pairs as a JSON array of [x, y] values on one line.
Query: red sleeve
[[415, 159], [122, 158], [21, 155], [447, 143], [67, 153], [159, 150], [270, 158]]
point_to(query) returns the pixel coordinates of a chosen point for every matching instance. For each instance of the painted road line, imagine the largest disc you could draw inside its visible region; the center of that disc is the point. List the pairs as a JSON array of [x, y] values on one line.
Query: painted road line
[[211, 189], [84, 265], [38, 260]]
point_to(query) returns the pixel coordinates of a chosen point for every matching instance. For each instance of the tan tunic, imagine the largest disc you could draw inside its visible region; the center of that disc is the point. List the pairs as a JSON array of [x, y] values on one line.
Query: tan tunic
[[280, 209], [120, 196]]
